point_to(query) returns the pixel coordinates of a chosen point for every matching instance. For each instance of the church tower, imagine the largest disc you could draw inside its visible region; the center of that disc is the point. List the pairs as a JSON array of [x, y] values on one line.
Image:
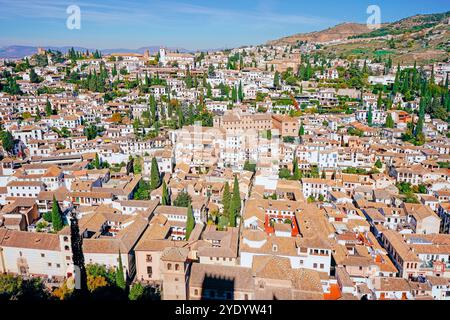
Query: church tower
[[175, 273]]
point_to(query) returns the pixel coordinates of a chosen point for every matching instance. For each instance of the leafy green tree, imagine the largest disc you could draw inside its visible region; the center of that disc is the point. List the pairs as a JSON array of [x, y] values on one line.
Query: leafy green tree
[[284, 173], [57, 220], [98, 270], [34, 78], [136, 292], [143, 191], [190, 223], [7, 141], [17, 288], [389, 121], [37, 117], [250, 166], [155, 176], [183, 200], [378, 164]]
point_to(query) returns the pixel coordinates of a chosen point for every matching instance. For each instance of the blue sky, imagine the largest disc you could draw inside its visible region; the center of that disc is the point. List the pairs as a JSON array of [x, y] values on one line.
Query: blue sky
[[191, 24]]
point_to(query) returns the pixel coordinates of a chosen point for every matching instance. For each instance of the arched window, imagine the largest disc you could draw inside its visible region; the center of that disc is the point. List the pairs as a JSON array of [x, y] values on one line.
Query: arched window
[[169, 266], [177, 267]]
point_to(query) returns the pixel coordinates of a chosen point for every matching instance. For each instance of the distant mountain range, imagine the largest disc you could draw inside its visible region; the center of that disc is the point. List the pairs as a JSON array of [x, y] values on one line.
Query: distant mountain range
[[23, 51], [339, 32], [347, 30]]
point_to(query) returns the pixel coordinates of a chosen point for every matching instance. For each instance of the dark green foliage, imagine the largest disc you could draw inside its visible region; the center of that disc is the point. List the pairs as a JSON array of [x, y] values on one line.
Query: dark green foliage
[[235, 205], [155, 176], [57, 220], [165, 201], [378, 164], [190, 223], [120, 277], [7, 140], [183, 200], [17, 288], [226, 200], [143, 191], [250, 166], [389, 122]]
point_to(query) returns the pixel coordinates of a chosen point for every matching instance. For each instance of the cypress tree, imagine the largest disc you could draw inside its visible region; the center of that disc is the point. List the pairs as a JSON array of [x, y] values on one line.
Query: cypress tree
[[48, 108], [276, 80], [120, 277], [226, 198], [379, 101], [235, 207], [389, 121], [397, 80], [96, 162], [165, 201], [190, 223], [297, 174], [56, 216], [234, 95], [38, 115], [370, 116], [240, 92], [301, 131], [155, 177]]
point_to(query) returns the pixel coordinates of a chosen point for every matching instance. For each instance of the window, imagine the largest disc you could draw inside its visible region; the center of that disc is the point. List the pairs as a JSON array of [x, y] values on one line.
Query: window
[[315, 265], [42, 255], [196, 292], [169, 266], [149, 271], [149, 258], [49, 264], [177, 267], [322, 266]]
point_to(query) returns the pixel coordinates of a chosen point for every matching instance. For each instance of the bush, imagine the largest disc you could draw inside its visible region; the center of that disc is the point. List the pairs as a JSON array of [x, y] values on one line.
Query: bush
[[47, 216]]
